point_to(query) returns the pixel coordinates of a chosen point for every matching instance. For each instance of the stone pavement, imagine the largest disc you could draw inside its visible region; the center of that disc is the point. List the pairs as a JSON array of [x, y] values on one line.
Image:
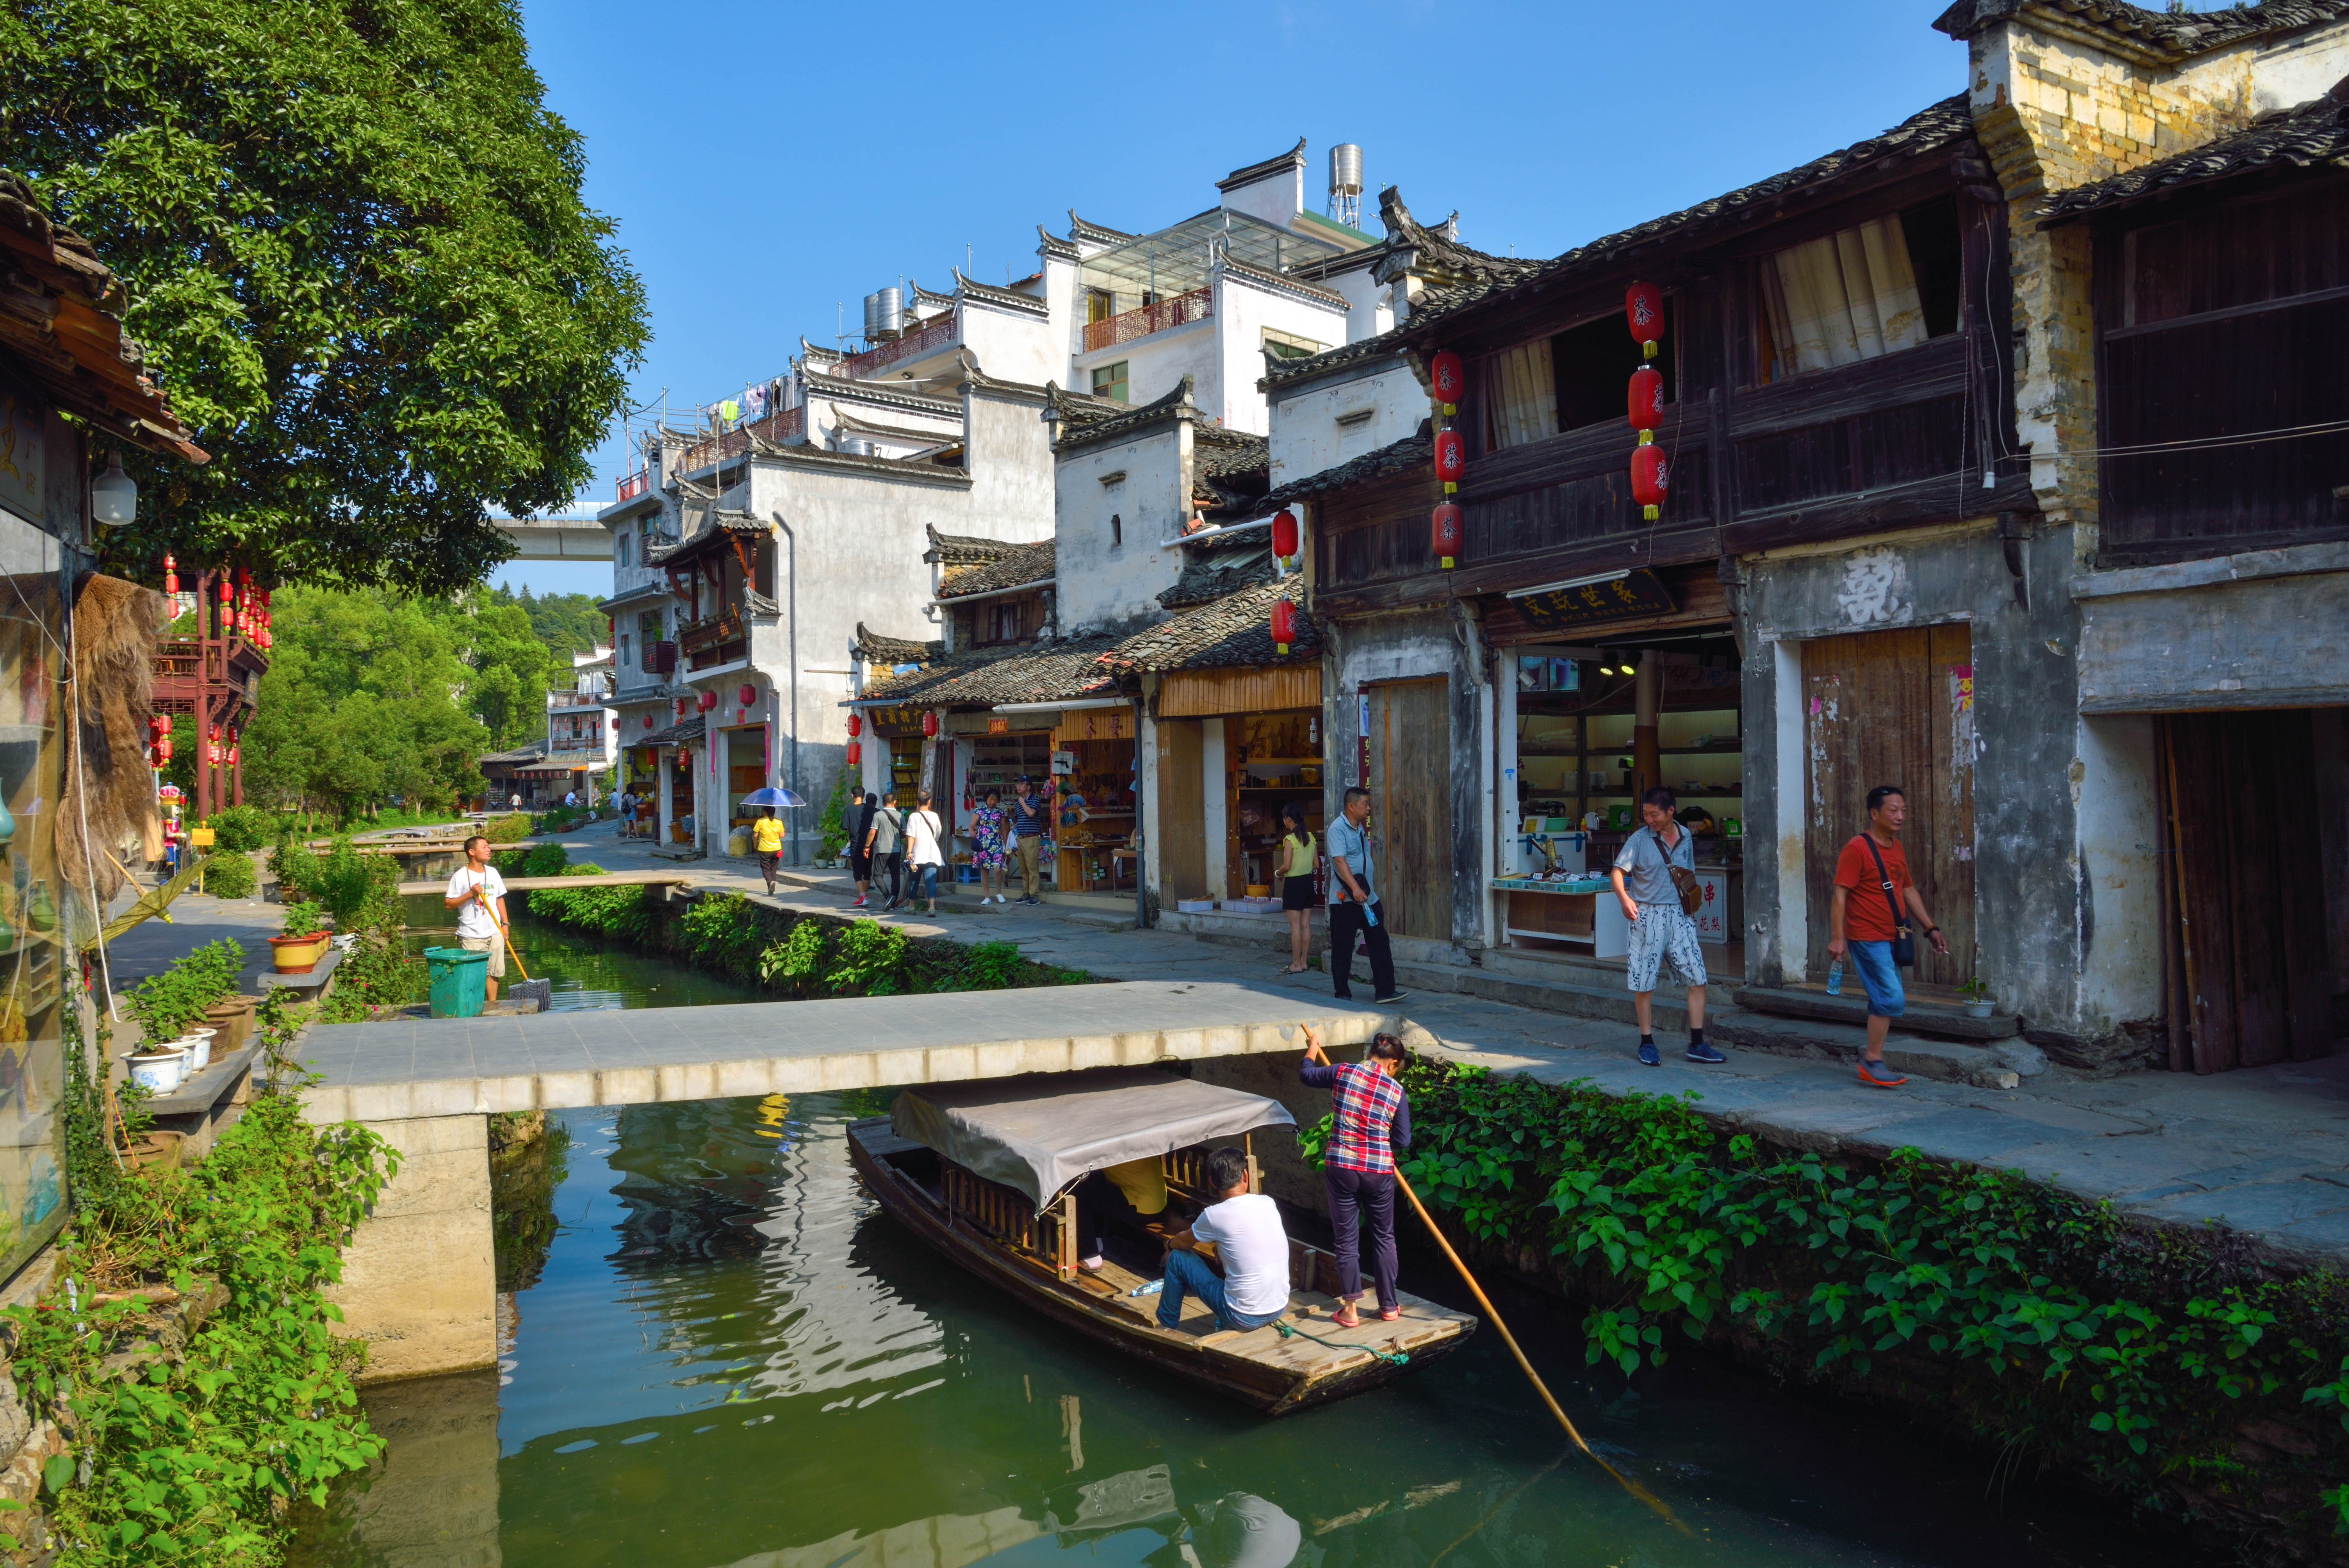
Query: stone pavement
[[2264, 1152]]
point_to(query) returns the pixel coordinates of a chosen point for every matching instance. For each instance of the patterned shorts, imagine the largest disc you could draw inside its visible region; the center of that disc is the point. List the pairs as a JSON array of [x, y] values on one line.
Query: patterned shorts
[[1663, 935]]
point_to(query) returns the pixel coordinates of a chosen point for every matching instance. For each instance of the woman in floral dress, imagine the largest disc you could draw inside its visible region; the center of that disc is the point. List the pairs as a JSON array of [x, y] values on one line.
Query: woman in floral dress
[[986, 825]]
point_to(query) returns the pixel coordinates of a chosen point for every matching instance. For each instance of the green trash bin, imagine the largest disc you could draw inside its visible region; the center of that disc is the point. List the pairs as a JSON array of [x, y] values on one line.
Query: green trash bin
[[461, 982]]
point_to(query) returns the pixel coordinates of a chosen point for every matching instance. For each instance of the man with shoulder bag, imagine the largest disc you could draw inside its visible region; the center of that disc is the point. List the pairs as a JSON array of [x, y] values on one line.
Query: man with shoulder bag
[[884, 847], [1655, 878], [1870, 919]]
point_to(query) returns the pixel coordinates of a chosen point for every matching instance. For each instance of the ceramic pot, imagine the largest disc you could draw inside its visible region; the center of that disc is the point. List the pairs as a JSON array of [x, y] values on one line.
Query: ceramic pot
[[160, 1072], [298, 955], [232, 1016], [1978, 1009], [198, 1043]]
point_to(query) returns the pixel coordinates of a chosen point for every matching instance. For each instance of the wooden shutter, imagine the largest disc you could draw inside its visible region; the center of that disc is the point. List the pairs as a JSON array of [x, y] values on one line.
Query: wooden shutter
[[1410, 804]]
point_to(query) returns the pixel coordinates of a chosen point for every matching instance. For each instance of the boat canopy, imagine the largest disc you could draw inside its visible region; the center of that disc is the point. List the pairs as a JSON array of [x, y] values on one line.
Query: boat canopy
[[1044, 1132]]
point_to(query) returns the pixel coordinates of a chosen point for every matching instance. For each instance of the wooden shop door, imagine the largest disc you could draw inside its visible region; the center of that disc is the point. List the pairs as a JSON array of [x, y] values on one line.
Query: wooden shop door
[[2249, 971], [1896, 707], [1410, 806]]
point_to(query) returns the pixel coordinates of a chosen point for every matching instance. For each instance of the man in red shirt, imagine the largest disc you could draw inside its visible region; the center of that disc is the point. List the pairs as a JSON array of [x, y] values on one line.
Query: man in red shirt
[[1862, 921], [1370, 1120]]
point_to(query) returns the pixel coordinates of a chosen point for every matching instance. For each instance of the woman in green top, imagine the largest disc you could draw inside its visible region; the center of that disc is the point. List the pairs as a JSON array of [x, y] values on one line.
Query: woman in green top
[[1294, 867]]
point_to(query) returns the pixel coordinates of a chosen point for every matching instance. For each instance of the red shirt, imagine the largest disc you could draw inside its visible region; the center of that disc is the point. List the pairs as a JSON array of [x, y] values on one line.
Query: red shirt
[[1866, 917]]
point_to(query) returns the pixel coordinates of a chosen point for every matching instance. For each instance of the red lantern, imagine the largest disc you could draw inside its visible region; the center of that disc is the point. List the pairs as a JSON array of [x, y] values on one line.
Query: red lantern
[[709, 700], [1451, 459], [680, 708], [1647, 400], [1444, 532], [227, 607], [1284, 535], [1284, 625], [649, 721], [232, 756], [856, 724], [1652, 477], [1447, 378], [749, 694], [855, 753], [170, 574], [930, 722], [684, 757], [1643, 309]]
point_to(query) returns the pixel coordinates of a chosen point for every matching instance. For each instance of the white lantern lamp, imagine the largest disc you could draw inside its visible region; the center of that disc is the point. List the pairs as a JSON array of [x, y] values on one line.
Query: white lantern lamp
[[113, 496]]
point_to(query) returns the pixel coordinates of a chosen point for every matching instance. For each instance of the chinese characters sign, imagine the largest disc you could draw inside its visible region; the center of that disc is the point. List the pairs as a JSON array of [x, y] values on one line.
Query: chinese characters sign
[[1636, 592]]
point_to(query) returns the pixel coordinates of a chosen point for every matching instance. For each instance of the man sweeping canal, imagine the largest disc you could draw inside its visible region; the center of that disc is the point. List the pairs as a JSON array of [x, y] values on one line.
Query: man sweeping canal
[[478, 893], [1373, 1121]]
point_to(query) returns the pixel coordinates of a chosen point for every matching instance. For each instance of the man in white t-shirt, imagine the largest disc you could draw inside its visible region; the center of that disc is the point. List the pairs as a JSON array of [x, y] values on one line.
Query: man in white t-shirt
[[1246, 1227], [478, 894]]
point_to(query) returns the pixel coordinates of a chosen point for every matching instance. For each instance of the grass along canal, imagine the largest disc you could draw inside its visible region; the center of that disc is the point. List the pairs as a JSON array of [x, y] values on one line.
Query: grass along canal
[[717, 1351]]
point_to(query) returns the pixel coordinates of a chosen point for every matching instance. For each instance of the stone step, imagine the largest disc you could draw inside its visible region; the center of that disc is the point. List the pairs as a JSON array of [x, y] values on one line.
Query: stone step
[[1921, 1017]]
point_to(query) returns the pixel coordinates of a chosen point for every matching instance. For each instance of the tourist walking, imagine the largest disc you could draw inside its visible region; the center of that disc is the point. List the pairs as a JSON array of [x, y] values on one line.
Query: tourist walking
[[925, 852], [860, 845], [1294, 868], [885, 845], [1030, 818], [478, 893], [1662, 934], [1354, 909], [1371, 1120], [767, 838], [1246, 1229], [987, 827], [1869, 919]]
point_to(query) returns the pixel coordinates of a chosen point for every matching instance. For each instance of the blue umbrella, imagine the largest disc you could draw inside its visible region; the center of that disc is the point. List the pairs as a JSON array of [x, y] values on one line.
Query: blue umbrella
[[772, 798]]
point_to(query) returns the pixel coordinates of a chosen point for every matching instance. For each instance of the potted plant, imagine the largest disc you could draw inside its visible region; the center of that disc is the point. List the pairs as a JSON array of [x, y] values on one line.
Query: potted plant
[[305, 942], [1974, 996]]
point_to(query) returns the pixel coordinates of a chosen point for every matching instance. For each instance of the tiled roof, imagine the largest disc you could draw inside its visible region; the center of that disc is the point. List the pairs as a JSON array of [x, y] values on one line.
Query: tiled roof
[[1282, 283], [1415, 451], [1223, 454], [1054, 246], [2312, 135], [518, 756], [1022, 563], [1208, 576], [965, 549], [873, 648], [1294, 156], [2170, 36], [642, 593], [1236, 630], [1059, 671], [1932, 129], [683, 732], [725, 523], [1176, 404], [1080, 229], [1083, 408], [61, 325], [1005, 299]]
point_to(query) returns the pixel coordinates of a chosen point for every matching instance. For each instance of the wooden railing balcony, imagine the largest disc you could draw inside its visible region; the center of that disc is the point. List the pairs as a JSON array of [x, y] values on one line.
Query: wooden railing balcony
[[1181, 310], [939, 333], [711, 631], [635, 484], [779, 428]]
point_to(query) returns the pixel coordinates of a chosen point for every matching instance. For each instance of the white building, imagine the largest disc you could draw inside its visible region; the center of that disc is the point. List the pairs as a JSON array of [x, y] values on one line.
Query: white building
[[581, 737]]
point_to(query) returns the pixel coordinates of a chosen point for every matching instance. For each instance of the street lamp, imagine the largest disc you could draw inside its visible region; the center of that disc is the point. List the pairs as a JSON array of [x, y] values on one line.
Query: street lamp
[[113, 497]]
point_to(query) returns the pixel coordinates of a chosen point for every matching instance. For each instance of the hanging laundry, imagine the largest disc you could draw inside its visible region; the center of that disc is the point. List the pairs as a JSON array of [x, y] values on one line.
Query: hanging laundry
[[730, 410], [754, 402]]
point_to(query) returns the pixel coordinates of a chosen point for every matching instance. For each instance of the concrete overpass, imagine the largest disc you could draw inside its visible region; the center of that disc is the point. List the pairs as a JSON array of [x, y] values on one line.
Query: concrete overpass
[[557, 538], [419, 1278]]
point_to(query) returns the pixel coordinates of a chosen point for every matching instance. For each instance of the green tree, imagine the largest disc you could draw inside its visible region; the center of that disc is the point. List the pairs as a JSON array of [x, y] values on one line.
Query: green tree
[[353, 240], [565, 622], [513, 669]]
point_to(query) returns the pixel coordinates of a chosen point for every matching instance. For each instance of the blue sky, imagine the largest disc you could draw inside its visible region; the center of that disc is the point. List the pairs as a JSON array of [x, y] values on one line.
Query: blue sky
[[769, 163]]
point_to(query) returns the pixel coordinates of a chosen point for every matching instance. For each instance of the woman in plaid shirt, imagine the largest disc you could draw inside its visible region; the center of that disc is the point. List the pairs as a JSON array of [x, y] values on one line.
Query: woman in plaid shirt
[[1373, 1121]]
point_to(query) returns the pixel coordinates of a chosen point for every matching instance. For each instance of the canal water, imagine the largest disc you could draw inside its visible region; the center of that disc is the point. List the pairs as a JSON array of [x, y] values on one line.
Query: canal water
[[730, 1357]]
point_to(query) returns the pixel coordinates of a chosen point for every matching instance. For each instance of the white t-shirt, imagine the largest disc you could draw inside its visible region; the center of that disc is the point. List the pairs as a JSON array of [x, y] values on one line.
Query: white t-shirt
[[921, 840], [472, 920], [1246, 1231]]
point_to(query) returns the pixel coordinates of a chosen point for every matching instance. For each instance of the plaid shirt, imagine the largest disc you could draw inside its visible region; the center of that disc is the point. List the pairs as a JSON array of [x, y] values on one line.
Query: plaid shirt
[[1373, 1119]]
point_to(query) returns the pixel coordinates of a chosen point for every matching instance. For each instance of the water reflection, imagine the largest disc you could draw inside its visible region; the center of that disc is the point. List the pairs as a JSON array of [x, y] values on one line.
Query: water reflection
[[730, 1357]]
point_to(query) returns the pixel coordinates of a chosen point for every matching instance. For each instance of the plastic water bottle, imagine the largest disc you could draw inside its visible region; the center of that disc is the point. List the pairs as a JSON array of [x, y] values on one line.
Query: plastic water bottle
[[1834, 979], [1370, 914]]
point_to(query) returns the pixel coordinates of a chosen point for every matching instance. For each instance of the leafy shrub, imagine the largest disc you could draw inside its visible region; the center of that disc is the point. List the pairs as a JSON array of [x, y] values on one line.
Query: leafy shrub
[[794, 962], [545, 860], [295, 867], [229, 874], [833, 825], [511, 828], [305, 918], [240, 829], [991, 966], [721, 934], [868, 961], [623, 910], [168, 1005]]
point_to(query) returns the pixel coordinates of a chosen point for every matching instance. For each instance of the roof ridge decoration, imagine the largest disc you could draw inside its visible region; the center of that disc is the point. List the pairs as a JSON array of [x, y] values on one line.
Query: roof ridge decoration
[[2152, 38], [1101, 233], [928, 439], [966, 549], [1002, 299], [880, 391], [1081, 407], [2310, 135], [943, 301], [1255, 172], [1053, 245], [1436, 254], [875, 648], [1175, 404], [817, 351], [810, 455], [1018, 567], [1266, 278]]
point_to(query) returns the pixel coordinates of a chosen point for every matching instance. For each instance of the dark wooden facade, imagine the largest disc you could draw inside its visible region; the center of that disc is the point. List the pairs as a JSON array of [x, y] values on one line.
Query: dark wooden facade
[[1902, 439], [2222, 314]]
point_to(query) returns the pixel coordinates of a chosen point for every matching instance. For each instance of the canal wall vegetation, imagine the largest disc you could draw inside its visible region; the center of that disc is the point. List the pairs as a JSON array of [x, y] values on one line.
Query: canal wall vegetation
[[791, 954], [179, 1386], [2166, 1367]]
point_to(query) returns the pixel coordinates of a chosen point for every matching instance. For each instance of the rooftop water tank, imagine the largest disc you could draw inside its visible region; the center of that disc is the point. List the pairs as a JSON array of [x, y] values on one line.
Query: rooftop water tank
[[884, 313], [1346, 183]]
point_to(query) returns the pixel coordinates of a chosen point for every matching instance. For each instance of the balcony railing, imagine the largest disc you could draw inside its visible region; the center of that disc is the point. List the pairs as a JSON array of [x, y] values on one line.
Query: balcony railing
[[939, 333], [1181, 310], [778, 427], [635, 484], [575, 699]]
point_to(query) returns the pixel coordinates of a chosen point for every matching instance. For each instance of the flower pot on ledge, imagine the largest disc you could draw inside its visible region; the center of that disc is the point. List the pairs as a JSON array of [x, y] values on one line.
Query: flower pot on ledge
[[299, 955]]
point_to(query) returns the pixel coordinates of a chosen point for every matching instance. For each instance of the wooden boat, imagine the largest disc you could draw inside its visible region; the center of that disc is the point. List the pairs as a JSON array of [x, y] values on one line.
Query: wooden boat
[[985, 1173]]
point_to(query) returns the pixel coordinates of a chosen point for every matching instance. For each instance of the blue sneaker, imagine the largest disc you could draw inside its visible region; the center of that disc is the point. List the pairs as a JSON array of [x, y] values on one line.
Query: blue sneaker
[[1649, 1057], [1699, 1051]]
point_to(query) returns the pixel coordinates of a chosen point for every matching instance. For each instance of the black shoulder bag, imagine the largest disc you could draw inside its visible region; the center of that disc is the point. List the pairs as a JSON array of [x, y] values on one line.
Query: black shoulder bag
[[1904, 942]]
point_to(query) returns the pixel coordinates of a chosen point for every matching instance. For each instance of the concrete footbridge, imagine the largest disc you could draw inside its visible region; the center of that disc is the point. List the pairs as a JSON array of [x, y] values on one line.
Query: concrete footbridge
[[419, 1278]]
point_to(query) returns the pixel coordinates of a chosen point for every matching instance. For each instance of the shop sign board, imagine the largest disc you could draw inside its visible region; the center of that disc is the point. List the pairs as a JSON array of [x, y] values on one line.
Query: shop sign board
[[1637, 592], [1712, 914]]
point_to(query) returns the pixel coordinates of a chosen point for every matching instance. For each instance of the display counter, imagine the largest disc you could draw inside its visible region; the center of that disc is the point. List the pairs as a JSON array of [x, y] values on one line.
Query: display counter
[[1581, 910]]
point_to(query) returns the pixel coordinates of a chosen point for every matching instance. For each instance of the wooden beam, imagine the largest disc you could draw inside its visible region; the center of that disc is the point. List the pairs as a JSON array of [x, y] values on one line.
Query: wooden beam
[[1896, 506]]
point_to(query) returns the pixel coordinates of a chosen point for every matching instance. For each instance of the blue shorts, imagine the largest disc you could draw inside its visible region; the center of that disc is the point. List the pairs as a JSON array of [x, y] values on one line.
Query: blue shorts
[[1880, 977]]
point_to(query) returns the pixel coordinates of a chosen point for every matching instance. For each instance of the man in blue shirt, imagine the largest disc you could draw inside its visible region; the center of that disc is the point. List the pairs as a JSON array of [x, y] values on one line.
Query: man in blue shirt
[[1030, 816], [1354, 909]]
